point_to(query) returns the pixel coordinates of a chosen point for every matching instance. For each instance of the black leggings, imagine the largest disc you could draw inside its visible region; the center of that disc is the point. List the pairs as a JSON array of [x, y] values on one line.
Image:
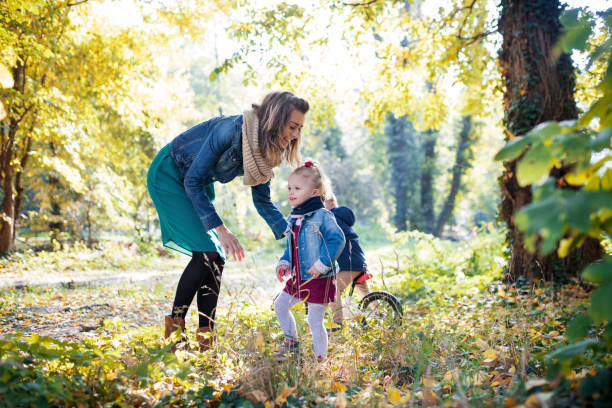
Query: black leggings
[[202, 275]]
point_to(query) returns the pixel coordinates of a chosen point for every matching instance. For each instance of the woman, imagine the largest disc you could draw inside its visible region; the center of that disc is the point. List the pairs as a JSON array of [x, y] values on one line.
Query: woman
[[180, 182]]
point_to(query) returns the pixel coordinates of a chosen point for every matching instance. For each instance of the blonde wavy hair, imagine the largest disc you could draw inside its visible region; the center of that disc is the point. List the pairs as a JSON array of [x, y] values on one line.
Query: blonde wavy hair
[[273, 114], [313, 170]]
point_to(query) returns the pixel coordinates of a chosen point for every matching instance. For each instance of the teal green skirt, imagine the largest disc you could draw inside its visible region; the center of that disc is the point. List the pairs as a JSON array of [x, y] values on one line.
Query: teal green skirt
[[181, 228]]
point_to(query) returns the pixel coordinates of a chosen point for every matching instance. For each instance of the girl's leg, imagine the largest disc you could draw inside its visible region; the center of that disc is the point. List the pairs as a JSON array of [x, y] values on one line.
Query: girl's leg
[[209, 288], [282, 306], [319, 334]]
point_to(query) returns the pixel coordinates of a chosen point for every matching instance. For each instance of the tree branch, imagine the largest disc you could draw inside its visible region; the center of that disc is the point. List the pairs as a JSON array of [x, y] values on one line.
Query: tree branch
[[477, 37], [76, 3], [367, 3]]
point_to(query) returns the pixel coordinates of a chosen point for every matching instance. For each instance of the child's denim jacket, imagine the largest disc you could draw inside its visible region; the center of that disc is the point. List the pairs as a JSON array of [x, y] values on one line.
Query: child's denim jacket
[[320, 239]]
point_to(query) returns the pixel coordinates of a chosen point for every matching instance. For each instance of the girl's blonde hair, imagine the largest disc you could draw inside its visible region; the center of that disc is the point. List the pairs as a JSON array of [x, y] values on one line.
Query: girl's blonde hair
[[314, 171], [273, 115]]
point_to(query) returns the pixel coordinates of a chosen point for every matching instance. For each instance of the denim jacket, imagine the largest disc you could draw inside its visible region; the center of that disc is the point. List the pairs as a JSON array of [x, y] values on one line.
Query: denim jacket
[[320, 239], [212, 151]]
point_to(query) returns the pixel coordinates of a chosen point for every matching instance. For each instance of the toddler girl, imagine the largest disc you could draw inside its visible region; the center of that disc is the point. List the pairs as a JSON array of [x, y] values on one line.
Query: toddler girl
[[314, 242]]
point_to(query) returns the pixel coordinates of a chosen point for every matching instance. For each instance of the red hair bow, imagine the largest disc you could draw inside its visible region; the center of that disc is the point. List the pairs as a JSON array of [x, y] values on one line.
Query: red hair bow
[[308, 164]]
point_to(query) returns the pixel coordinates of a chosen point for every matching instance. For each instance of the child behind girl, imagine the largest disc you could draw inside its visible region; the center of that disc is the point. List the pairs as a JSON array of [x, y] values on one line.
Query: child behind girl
[[351, 261], [314, 242]]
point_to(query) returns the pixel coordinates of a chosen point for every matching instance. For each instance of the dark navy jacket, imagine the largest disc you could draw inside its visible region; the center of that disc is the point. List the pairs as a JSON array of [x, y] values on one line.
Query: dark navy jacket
[[212, 151], [352, 257]]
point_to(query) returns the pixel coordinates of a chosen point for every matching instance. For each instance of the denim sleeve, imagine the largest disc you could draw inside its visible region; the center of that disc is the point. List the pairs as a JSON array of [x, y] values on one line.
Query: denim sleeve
[[205, 161], [333, 240], [285, 256], [268, 211]]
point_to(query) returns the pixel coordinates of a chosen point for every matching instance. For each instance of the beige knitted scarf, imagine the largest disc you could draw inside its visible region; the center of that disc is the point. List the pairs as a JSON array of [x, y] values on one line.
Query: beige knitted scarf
[[256, 170]]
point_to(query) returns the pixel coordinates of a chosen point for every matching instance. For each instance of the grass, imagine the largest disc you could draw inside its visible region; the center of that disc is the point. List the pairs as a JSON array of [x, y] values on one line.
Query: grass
[[466, 339]]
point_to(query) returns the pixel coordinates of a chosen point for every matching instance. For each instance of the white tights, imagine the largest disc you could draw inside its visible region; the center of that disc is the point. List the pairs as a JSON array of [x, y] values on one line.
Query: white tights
[[282, 306]]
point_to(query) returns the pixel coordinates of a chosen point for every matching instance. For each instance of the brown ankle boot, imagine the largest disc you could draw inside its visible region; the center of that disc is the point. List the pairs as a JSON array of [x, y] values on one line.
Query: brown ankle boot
[[204, 341], [172, 324]]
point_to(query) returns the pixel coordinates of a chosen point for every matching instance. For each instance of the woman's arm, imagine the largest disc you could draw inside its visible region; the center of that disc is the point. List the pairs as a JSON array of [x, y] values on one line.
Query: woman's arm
[[200, 169], [268, 211], [195, 187]]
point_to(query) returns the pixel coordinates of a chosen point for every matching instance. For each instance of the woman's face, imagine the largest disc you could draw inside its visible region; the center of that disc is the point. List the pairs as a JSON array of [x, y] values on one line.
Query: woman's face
[[292, 129]]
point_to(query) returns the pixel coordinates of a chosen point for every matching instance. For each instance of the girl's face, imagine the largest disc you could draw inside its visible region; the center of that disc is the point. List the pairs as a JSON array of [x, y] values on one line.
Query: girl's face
[[292, 129], [300, 188]]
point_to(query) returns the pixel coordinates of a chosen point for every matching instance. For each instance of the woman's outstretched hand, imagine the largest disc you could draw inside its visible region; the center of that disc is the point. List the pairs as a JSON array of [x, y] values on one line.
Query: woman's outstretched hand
[[230, 242]]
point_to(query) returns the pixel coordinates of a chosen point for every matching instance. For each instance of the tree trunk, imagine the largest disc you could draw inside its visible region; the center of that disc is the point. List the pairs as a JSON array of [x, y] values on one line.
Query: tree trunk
[[397, 152], [7, 217], [19, 189], [460, 162], [427, 195], [538, 88]]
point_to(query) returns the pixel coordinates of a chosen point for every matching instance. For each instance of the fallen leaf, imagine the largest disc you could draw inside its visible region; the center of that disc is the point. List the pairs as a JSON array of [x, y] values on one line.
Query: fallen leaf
[[490, 354], [338, 386], [286, 393]]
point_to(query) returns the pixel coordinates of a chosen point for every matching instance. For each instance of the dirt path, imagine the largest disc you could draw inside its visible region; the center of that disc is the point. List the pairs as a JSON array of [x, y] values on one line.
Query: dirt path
[[65, 301], [70, 304]]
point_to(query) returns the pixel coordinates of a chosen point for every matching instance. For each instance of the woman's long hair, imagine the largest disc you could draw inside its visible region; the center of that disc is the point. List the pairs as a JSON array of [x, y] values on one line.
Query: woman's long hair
[[273, 115]]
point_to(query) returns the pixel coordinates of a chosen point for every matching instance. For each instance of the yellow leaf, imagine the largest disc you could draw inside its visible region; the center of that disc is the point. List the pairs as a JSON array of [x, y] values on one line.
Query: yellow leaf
[[450, 375], [510, 135], [338, 386], [395, 397], [533, 401], [512, 370], [268, 404], [2, 111], [553, 333], [286, 392], [490, 354]]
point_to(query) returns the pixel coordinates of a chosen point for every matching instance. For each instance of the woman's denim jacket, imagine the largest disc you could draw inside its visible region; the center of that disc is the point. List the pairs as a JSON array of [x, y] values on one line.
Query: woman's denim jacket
[[212, 151], [320, 239]]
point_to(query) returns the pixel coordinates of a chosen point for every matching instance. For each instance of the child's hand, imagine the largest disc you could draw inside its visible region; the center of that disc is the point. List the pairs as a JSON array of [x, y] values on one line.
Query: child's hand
[[314, 272], [281, 272]]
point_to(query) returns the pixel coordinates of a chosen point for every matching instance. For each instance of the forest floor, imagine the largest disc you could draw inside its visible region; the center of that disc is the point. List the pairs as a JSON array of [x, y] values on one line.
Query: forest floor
[[83, 328]]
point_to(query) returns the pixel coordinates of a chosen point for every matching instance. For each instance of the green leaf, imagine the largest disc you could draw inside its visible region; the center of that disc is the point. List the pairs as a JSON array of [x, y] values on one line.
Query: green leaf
[[577, 31], [601, 140], [598, 272], [601, 304], [535, 166], [578, 327], [548, 130], [579, 212], [513, 149], [571, 350]]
